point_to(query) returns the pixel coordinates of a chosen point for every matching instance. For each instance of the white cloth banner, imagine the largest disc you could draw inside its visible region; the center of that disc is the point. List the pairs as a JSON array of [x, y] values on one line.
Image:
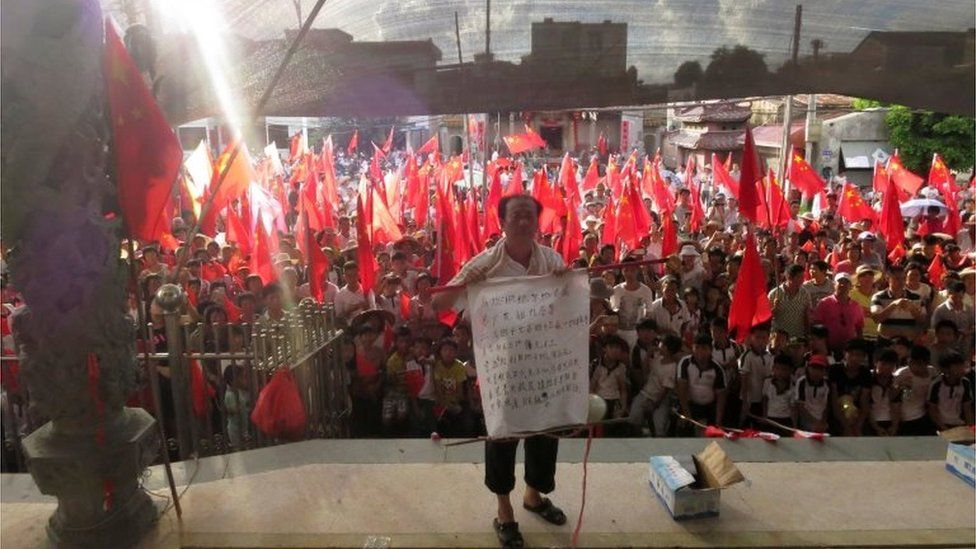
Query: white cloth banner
[[531, 351]]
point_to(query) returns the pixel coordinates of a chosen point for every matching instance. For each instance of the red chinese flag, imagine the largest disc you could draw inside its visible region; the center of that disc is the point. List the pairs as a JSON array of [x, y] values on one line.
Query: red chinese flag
[[432, 145], [697, 213], [669, 240], [897, 254], [364, 248], [609, 233], [493, 224], [404, 305], [147, 153], [852, 206], [353, 142], [905, 179], [318, 266], [237, 232], [751, 172], [601, 144], [942, 180], [330, 186], [592, 176], [261, 264], [515, 183], [233, 311], [388, 144], [891, 224], [804, 177], [298, 149], [660, 193], [936, 270], [239, 175], [474, 226], [721, 176], [939, 176], [444, 262], [879, 181], [384, 227], [567, 180], [750, 303], [572, 236]]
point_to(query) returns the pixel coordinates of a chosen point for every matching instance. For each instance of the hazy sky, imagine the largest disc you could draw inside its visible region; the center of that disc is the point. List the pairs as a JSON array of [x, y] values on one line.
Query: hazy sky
[[661, 33]]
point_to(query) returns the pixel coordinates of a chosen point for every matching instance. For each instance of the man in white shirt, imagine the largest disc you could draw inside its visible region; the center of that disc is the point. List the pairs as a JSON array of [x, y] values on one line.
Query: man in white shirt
[[669, 312], [631, 299], [517, 254], [350, 299]]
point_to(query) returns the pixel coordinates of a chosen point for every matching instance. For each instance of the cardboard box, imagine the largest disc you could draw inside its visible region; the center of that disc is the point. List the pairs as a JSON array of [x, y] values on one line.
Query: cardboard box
[[961, 461], [692, 489]]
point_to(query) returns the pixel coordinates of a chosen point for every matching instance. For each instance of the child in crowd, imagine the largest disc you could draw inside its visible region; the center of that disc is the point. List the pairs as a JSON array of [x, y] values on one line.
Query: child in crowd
[[777, 393], [449, 378], [882, 399], [812, 396], [237, 404], [656, 396], [701, 385], [914, 381], [420, 380], [396, 398], [755, 365], [847, 381], [950, 402], [609, 379]]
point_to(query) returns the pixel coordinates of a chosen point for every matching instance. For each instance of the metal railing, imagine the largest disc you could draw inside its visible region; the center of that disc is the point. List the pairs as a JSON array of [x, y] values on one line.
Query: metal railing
[[202, 418]]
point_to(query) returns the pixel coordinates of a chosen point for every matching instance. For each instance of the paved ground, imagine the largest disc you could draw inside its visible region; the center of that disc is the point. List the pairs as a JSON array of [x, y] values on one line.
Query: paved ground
[[311, 494]]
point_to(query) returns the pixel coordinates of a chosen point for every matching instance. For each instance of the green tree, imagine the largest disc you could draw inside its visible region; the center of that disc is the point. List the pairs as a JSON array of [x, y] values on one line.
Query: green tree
[[919, 134], [736, 65], [690, 72]]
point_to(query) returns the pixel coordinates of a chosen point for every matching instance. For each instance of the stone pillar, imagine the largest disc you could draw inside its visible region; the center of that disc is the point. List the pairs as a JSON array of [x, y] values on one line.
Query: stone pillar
[[75, 341]]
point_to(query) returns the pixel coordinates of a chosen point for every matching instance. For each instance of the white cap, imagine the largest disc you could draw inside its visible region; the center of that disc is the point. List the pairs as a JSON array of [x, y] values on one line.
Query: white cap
[[689, 250]]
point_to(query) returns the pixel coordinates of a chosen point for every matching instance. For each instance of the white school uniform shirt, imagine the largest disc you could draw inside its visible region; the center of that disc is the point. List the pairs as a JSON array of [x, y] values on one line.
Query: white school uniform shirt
[[631, 305], [913, 400], [759, 366], [660, 379], [675, 323], [880, 400], [777, 404], [950, 399], [812, 397], [702, 384]]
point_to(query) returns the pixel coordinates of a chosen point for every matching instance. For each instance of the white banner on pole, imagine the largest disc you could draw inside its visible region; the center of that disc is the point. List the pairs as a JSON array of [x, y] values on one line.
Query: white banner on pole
[[531, 350]]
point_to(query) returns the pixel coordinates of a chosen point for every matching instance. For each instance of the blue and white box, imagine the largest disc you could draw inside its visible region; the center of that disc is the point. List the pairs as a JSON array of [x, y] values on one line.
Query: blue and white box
[[688, 495], [961, 461]]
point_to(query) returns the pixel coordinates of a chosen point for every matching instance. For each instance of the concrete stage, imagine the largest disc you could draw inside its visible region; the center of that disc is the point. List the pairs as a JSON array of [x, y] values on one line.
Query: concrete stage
[[839, 493]]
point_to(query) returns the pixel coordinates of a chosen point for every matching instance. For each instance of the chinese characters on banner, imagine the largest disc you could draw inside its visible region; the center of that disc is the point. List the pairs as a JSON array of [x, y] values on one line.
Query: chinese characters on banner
[[530, 348]]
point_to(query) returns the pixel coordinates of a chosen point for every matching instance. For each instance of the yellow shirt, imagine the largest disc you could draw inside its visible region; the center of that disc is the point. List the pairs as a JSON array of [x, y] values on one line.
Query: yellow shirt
[[449, 382], [870, 326]]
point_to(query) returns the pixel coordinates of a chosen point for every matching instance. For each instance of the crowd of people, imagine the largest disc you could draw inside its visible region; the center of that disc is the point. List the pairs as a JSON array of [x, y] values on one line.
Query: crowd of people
[[859, 343]]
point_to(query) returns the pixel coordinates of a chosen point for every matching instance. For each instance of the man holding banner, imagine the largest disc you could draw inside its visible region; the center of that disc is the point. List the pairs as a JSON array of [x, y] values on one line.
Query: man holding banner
[[517, 254]]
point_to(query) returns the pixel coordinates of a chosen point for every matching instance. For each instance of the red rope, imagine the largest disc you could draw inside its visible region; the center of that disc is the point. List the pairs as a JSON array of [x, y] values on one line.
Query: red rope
[[586, 459]]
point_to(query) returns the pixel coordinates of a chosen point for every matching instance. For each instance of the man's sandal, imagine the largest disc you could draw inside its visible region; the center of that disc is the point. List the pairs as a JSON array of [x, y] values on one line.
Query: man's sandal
[[549, 512], [508, 534]]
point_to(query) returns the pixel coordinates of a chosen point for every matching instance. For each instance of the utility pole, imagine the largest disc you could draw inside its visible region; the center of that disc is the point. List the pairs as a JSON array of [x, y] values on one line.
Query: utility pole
[[487, 30], [788, 108]]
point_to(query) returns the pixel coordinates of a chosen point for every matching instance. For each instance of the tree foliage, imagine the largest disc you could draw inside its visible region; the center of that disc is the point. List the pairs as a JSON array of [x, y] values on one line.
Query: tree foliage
[[736, 65], [690, 72], [919, 134]]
